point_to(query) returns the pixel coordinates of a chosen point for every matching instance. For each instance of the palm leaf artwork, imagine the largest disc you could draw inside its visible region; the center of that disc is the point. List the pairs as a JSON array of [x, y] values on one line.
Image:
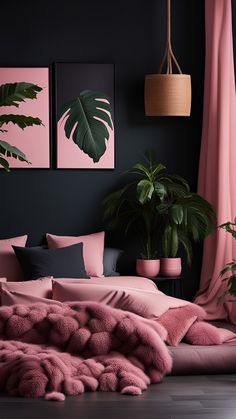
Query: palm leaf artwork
[[13, 94], [8, 150], [87, 118], [21, 121]]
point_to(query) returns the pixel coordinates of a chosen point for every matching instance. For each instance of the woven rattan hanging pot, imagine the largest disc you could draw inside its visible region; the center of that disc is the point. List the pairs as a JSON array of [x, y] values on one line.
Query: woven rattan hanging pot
[[168, 94]]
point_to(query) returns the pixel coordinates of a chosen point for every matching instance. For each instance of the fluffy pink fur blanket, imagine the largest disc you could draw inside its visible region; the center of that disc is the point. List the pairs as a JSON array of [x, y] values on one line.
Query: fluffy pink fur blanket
[[52, 350]]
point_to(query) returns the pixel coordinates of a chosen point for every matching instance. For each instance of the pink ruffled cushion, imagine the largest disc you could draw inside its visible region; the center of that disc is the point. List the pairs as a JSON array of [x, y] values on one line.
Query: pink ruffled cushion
[[177, 322], [202, 333], [93, 249], [9, 265]]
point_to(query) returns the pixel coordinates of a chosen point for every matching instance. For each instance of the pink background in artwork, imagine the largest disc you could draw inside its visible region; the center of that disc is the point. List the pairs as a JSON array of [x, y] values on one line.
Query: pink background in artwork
[[69, 155], [33, 141]]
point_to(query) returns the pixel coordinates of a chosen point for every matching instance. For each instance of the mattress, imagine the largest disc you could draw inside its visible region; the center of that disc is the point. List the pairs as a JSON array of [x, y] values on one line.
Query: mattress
[[214, 359]]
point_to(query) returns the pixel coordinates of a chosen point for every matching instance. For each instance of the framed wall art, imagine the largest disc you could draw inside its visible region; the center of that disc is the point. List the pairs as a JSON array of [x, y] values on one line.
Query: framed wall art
[[24, 116], [85, 116]]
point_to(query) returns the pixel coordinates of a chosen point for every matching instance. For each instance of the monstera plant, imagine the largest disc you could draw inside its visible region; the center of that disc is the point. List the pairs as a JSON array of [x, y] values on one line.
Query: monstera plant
[[86, 119], [12, 94]]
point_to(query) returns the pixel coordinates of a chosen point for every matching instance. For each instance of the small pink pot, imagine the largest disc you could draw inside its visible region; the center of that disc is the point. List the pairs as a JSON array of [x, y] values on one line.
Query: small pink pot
[[171, 266], [148, 267]]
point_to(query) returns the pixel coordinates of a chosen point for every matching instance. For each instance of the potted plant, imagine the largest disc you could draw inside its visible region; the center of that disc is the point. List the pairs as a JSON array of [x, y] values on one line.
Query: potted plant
[[228, 273], [134, 207], [184, 217], [144, 204]]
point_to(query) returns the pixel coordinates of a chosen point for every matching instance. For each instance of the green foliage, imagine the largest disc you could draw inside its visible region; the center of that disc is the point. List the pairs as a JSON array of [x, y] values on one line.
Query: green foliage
[[12, 94], [230, 227], [21, 121], [86, 117], [10, 151], [159, 204], [228, 273], [184, 218]]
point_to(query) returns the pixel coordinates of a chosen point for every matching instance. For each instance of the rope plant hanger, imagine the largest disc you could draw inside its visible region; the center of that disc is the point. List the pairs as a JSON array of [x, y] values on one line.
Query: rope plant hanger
[[168, 94]]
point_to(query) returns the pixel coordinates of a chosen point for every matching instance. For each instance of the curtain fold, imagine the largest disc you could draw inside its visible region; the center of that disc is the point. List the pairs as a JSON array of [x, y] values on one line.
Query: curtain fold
[[217, 168]]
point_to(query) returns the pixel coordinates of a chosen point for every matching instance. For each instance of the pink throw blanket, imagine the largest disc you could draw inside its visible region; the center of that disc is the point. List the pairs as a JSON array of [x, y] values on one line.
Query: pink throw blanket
[[52, 350]]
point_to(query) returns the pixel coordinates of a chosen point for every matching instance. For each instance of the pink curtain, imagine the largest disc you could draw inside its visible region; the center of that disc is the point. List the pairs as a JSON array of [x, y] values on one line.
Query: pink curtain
[[217, 170]]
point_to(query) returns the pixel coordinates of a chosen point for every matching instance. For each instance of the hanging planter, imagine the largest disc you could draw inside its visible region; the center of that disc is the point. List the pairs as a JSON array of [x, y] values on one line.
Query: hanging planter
[[168, 94]]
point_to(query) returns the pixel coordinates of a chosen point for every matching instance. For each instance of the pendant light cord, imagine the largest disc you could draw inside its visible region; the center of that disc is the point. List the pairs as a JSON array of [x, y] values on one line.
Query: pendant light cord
[[169, 55]]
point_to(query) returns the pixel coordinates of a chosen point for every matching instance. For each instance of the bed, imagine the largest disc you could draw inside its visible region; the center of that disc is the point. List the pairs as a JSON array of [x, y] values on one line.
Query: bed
[[211, 359]]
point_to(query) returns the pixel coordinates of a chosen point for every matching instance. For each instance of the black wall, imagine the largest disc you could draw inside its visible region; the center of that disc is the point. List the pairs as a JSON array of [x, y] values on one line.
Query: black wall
[[130, 34]]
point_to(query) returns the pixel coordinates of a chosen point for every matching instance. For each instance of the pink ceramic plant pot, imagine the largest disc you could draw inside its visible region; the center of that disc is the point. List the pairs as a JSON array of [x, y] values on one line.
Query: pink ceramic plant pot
[[148, 267], [171, 266]]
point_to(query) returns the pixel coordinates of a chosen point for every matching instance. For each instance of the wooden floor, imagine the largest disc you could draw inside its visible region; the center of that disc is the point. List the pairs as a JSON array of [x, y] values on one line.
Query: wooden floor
[[176, 398]]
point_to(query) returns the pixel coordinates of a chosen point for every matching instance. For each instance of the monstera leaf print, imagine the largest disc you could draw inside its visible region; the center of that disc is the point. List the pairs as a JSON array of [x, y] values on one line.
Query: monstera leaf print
[[86, 119]]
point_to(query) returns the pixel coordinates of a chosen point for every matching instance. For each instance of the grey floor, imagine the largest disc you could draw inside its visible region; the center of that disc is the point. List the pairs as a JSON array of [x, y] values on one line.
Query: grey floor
[[177, 397]]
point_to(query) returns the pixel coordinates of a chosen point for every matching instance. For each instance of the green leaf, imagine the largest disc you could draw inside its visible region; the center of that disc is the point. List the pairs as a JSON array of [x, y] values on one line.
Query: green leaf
[[88, 133], [226, 269], [180, 180], [21, 120], [166, 242], [174, 242], [177, 213], [159, 168], [11, 94], [160, 190], [186, 245], [4, 163], [170, 241], [143, 169], [174, 190], [230, 228], [8, 150], [145, 190], [232, 288], [113, 202]]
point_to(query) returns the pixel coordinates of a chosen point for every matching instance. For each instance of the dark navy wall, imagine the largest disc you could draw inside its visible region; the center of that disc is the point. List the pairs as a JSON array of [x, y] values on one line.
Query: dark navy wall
[[130, 34]]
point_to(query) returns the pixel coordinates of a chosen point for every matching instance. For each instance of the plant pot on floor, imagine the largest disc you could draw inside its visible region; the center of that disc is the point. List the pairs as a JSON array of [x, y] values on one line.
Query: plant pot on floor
[[171, 266], [148, 267]]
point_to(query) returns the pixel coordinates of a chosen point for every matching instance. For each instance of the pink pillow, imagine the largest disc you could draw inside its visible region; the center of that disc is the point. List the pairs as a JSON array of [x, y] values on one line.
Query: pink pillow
[[41, 288], [3, 279], [11, 298], [93, 249], [9, 265], [136, 282], [148, 304]]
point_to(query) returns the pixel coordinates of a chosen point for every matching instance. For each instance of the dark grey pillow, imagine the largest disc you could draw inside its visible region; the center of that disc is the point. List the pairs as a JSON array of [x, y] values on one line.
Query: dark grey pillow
[[110, 259], [65, 262]]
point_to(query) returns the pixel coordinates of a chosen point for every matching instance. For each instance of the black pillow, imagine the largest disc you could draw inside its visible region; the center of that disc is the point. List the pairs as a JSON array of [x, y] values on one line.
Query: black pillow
[[65, 262]]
